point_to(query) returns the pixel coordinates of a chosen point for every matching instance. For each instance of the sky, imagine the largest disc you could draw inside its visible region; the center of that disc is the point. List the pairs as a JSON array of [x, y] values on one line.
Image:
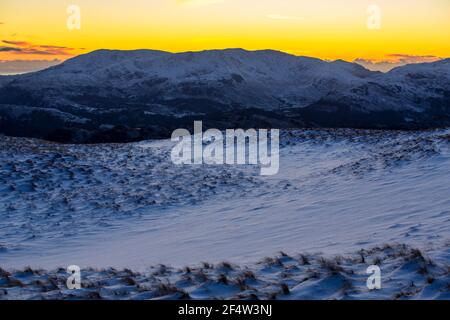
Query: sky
[[379, 34]]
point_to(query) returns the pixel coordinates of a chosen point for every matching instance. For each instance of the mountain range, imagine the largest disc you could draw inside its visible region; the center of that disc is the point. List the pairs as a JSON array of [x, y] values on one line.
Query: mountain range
[[121, 96]]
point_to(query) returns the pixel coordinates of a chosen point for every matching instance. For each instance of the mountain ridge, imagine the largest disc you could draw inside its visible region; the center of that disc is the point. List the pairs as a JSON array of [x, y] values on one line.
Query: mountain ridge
[[140, 94]]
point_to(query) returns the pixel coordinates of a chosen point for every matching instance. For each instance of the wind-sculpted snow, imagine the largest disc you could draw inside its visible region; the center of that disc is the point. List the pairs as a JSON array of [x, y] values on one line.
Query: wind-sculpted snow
[[48, 186], [127, 206], [407, 274], [377, 150]]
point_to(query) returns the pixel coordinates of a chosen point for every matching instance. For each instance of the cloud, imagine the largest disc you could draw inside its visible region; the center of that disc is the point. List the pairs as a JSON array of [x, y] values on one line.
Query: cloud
[[392, 61], [27, 48], [282, 17], [53, 47], [9, 49], [23, 66], [412, 59], [17, 43]]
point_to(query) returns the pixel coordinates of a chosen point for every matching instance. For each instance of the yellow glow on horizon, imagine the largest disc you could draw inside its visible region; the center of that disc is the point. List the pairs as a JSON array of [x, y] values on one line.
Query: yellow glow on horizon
[[326, 29]]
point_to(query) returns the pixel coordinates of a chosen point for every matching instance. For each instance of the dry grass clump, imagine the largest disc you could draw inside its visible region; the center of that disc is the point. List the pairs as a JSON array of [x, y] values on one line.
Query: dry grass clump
[[303, 260], [273, 262], [285, 289], [222, 279], [332, 266]]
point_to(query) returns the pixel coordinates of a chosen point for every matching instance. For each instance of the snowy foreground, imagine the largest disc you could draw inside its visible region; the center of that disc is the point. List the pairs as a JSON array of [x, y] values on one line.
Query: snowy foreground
[[343, 200]]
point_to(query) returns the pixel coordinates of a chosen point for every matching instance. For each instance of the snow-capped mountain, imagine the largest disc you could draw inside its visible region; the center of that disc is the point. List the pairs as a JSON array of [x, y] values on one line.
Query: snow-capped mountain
[[130, 95]]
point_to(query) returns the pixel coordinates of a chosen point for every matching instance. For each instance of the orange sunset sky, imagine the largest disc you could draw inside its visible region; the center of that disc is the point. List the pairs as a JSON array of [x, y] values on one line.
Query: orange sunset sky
[[34, 33]]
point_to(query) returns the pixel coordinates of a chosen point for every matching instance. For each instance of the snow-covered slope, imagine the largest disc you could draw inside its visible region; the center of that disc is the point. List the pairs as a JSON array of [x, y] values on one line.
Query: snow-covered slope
[[159, 91], [416, 87], [336, 191], [128, 206], [408, 273]]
